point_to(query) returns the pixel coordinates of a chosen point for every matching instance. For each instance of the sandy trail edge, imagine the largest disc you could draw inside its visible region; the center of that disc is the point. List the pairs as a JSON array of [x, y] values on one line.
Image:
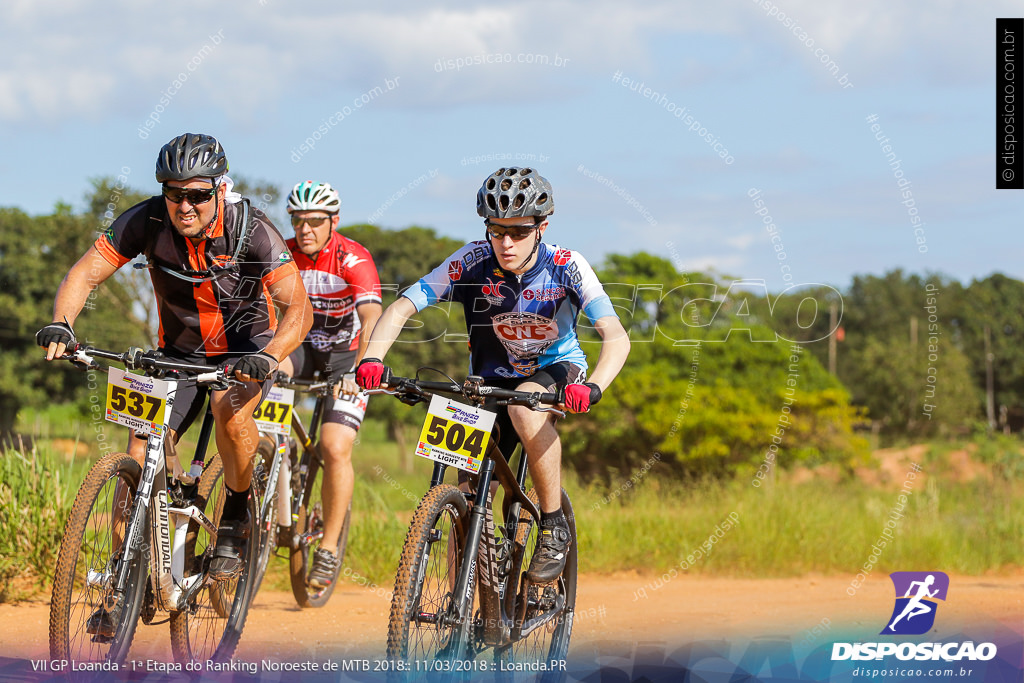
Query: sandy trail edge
[[610, 608]]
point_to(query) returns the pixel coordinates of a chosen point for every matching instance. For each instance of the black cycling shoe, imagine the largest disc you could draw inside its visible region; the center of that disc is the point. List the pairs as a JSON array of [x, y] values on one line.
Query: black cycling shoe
[[549, 559], [324, 569], [232, 541], [100, 624]]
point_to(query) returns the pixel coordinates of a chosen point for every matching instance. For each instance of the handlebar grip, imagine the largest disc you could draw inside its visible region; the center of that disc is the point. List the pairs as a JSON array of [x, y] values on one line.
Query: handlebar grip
[[386, 375]]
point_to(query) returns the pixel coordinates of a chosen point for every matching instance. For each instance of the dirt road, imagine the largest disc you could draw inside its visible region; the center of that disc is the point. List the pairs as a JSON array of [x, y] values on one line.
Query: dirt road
[[613, 616]]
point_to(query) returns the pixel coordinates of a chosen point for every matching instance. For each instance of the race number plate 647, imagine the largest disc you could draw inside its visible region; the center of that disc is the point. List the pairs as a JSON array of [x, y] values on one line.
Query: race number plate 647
[[136, 401], [274, 414], [455, 434]]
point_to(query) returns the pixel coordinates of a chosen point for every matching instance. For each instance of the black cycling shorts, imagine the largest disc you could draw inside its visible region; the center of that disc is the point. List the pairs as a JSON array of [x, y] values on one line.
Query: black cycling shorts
[[552, 377], [347, 409], [189, 399]]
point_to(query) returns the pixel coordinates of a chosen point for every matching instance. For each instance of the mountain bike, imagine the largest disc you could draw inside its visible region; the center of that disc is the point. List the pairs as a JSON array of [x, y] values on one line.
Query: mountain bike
[[139, 540], [288, 486], [453, 543]]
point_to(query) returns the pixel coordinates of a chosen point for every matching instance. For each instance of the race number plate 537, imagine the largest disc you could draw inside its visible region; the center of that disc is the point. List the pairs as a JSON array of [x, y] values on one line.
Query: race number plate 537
[[136, 401], [455, 434]]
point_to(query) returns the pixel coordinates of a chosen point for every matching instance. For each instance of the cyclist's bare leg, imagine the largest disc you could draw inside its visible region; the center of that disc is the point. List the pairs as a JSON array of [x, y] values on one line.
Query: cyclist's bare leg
[[235, 431], [336, 443], [286, 367], [540, 439]]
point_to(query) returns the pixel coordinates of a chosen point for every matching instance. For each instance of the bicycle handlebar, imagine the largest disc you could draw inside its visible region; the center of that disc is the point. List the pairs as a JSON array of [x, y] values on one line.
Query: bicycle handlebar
[[473, 388], [152, 364]]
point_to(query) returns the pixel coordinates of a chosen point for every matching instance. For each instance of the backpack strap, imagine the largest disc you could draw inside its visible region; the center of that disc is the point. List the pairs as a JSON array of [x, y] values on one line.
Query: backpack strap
[[155, 211]]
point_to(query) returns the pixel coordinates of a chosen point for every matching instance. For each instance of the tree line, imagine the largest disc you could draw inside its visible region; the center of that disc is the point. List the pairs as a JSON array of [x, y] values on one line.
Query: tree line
[[724, 378]]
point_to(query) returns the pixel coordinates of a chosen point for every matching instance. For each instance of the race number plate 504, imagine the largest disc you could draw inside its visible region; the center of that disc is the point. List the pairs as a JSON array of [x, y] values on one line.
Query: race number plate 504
[[274, 415], [136, 401], [455, 434]]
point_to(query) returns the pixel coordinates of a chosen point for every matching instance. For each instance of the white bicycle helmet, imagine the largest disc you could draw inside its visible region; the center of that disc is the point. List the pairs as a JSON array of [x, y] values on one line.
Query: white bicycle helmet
[[312, 196]]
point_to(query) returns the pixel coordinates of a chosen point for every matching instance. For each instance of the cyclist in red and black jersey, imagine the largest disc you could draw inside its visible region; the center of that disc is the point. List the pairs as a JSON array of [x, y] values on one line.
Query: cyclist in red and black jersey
[[344, 288], [218, 267]]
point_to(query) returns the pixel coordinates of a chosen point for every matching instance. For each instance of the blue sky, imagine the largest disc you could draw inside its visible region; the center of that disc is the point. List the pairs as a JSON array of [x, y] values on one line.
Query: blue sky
[[79, 79]]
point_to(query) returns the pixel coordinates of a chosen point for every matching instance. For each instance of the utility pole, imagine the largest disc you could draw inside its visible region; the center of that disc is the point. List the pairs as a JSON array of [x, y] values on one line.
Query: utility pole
[[833, 312], [990, 394]]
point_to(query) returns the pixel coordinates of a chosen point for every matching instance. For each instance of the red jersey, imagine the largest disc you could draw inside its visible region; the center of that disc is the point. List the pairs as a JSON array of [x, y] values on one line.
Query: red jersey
[[338, 279]]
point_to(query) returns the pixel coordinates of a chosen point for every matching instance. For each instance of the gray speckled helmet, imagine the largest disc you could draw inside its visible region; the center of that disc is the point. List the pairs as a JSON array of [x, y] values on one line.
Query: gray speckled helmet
[[191, 155], [512, 192]]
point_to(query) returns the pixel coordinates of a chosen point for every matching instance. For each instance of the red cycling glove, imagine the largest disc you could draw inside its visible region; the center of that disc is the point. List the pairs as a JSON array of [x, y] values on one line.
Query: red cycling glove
[[579, 397], [369, 373]]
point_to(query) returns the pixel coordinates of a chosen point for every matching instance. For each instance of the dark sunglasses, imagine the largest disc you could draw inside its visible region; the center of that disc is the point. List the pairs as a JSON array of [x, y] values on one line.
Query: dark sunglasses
[[195, 197], [297, 221], [516, 232]]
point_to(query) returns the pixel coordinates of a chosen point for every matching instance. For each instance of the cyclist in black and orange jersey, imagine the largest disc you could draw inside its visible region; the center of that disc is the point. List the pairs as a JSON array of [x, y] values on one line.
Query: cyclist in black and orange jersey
[[216, 278], [344, 288]]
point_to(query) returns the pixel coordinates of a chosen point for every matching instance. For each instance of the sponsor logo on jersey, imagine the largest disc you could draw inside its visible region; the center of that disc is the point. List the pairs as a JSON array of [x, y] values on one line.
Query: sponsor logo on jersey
[[284, 257], [561, 257], [492, 291], [552, 293], [497, 272], [525, 335], [221, 261], [349, 260], [454, 270]]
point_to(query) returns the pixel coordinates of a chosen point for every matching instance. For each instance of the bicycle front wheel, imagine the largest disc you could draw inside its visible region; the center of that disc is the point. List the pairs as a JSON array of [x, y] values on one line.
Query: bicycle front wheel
[[434, 550], [89, 620], [210, 625], [267, 450], [549, 641]]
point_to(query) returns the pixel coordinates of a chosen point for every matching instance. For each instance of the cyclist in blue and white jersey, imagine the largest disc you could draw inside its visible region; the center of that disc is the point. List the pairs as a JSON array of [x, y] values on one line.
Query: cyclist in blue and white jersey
[[522, 298]]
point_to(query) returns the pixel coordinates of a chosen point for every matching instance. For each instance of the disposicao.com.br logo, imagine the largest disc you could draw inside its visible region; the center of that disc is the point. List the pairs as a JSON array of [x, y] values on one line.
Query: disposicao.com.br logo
[[916, 604]]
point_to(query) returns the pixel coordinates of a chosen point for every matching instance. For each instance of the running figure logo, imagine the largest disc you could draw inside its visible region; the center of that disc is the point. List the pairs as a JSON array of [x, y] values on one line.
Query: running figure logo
[[916, 596]]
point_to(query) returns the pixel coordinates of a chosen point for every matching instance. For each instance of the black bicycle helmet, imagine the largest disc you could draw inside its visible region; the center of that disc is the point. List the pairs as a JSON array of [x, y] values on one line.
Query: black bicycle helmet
[[513, 192], [188, 156]]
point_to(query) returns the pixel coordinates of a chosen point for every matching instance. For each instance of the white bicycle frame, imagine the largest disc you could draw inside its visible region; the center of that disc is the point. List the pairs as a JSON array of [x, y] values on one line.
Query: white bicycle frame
[[171, 587]]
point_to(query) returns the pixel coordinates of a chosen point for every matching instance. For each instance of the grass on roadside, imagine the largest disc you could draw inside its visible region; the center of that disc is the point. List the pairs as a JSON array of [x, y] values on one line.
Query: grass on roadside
[[644, 521]]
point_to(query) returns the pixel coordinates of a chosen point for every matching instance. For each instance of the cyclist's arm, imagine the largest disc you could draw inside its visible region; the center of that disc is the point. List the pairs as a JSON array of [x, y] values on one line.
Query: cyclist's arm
[[74, 290], [388, 327], [614, 350], [296, 315], [369, 313]]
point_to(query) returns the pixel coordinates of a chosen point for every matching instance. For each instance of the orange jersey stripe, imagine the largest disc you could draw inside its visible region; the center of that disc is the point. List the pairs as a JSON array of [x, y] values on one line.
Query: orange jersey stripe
[[211, 322], [109, 254]]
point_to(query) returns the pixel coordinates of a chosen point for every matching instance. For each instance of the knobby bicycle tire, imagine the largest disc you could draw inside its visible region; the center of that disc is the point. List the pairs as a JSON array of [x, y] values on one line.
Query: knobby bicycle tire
[[87, 565], [549, 642], [267, 450], [310, 521], [432, 554], [210, 626]]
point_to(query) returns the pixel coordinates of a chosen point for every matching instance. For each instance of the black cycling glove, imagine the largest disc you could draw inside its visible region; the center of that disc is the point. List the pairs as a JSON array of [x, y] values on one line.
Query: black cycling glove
[[258, 366], [56, 333]]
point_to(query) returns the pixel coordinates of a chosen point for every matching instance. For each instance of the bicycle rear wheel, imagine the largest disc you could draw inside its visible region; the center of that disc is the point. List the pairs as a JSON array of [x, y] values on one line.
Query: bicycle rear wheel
[[210, 625], [434, 549], [548, 642], [90, 557], [308, 529]]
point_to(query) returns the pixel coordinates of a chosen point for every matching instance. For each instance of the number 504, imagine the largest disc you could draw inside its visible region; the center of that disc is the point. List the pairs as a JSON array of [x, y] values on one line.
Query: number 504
[[453, 436]]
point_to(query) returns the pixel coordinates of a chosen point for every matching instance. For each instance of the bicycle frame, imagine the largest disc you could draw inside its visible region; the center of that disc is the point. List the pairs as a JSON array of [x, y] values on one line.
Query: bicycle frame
[[171, 589], [310, 448], [502, 607]]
